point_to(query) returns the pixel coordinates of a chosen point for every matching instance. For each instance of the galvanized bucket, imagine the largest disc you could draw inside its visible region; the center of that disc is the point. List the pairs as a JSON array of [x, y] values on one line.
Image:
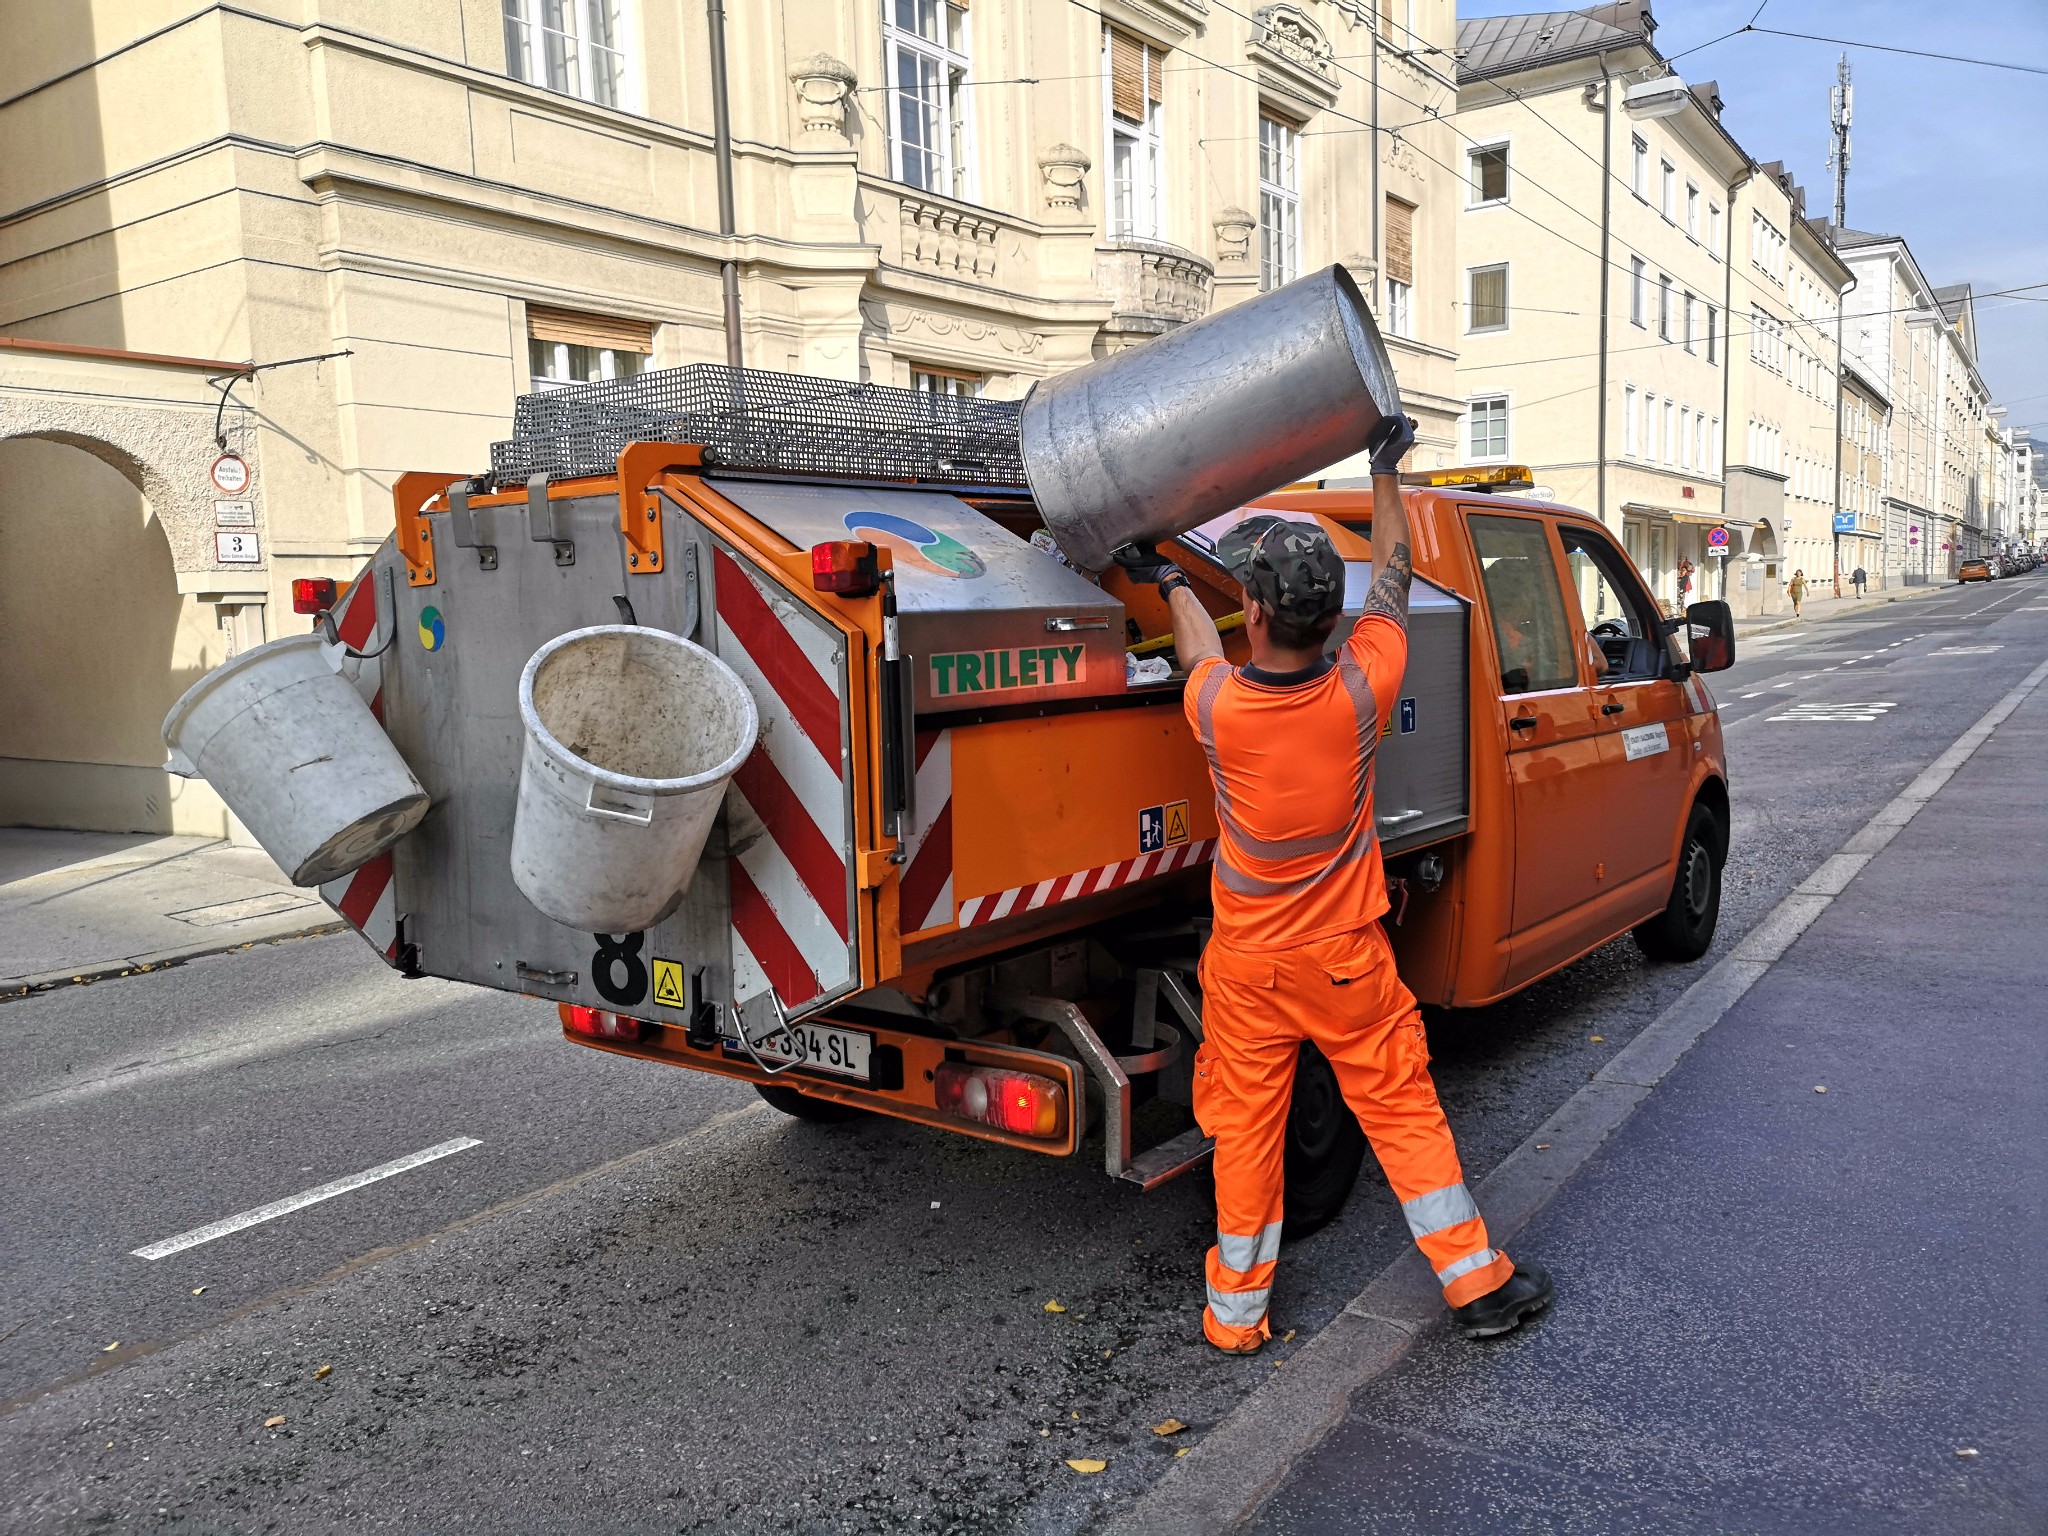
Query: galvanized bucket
[[1157, 439], [287, 741], [631, 735]]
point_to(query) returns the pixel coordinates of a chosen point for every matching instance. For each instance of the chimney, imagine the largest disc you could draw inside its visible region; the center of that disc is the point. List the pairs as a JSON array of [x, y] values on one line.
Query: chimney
[[1708, 94]]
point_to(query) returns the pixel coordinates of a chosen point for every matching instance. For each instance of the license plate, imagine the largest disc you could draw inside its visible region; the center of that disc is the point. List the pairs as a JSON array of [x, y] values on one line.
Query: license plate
[[842, 1052]]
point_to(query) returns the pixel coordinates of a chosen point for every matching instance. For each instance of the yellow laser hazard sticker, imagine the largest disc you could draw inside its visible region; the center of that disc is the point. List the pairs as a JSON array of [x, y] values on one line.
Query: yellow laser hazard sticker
[[668, 984], [1176, 823]]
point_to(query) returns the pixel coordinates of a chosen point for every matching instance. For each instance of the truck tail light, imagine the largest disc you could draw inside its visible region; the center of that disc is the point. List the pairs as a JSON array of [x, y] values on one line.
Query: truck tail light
[[1022, 1103], [847, 567], [598, 1023], [313, 594]]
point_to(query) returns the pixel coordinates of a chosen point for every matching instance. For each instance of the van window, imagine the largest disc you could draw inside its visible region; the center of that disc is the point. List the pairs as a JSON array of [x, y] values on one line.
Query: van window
[[1534, 642], [1613, 606]]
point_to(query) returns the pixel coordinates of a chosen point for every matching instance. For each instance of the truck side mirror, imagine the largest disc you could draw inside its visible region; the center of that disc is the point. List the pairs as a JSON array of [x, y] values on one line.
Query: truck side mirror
[[1710, 635]]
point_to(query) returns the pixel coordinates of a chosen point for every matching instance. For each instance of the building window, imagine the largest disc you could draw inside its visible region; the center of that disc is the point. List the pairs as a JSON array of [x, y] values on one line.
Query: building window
[[924, 43], [1639, 171], [1486, 298], [1670, 432], [1631, 441], [1137, 154], [944, 381], [1714, 230], [1488, 165], [1279, 202], [1667, 193], [570, 46], [1687, 321], [1664, 307], [564, 346], [1400, 262], [1685, 437], [1638, 280], [1692, 210], [1489, 427], [1713, 318]]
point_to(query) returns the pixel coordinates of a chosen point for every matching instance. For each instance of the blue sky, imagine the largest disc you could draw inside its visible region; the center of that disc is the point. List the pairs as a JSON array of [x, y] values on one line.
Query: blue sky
[[1945, 154]]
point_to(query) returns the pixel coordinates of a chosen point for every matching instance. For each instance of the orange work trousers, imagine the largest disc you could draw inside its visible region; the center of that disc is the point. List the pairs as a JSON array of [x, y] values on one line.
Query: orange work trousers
[[1341, 993]]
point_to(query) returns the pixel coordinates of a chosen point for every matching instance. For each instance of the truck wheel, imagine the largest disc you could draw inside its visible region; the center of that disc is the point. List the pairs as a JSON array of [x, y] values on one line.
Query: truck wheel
[[1324, 1147], [1684, 930], [802, 1106]]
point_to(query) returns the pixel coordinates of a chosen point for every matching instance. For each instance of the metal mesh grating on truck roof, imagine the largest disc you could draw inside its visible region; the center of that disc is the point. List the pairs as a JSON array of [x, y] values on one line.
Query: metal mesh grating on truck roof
[[757, 420]]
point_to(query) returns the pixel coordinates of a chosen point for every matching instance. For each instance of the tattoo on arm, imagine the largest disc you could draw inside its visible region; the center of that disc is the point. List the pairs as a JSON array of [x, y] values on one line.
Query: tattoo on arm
[[1389, 593]]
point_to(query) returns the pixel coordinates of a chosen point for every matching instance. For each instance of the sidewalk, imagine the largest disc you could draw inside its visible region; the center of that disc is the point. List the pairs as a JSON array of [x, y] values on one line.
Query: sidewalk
[[1818, 609], [1779, 1309], [78, 906]]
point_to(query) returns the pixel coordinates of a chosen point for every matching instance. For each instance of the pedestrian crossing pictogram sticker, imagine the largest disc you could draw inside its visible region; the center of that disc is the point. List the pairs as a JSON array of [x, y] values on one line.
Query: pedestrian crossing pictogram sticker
[[668, 984], [1809, 714], [1176, 823]]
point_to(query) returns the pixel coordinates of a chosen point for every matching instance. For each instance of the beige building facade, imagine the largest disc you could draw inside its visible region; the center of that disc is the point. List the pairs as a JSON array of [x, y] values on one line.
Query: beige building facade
[[401, 216], [1785, 297], [1613, 238]]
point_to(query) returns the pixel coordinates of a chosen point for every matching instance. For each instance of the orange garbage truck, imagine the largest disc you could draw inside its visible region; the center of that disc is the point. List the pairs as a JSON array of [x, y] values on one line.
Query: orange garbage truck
[[933, 835]]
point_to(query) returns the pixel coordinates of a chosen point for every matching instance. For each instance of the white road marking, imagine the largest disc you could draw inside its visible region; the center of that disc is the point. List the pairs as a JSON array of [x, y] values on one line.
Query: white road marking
[[1966, 650], [300, 1201], [1800, 714]]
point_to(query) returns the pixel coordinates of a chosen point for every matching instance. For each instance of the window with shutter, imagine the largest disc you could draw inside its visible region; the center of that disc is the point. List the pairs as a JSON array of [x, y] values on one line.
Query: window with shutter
[[1397, 316], [1486, 299], [1132, 98], [567, 346]]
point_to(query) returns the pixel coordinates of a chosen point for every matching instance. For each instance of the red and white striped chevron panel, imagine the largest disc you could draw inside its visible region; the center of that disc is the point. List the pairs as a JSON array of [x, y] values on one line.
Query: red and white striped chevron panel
[[926, 895], [365, 899], [1019, 899], [790, 809]]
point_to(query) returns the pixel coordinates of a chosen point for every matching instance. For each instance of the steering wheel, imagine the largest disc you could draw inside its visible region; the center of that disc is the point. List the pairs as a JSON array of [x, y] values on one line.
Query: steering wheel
[[1609, 629]]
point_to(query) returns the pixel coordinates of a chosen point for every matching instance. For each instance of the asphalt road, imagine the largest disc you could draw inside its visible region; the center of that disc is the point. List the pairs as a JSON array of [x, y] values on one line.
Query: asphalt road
[[643, 1301]]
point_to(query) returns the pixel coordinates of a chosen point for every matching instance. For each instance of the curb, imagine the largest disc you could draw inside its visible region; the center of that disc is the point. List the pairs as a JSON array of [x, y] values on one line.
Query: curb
[[1911, 594], [162, 959], [1225, 1478]]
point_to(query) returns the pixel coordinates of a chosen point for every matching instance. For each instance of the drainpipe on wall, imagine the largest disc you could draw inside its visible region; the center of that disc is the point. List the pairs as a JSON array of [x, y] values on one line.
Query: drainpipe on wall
[[721, 149], [1379, 261], [1606, 281]]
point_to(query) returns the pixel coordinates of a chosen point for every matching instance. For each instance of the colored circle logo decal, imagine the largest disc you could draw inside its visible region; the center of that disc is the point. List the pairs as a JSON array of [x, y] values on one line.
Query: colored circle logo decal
[[916, 545], [432, 630]]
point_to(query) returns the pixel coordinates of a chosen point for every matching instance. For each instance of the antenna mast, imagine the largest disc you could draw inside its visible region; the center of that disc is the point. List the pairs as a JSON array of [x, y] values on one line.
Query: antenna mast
[[1841, 102]]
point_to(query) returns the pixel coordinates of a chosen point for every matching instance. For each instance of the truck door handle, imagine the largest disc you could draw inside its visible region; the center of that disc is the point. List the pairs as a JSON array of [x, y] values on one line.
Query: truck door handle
[[1065, 625], [1523, 723], [1399, 817], [1612, 709]]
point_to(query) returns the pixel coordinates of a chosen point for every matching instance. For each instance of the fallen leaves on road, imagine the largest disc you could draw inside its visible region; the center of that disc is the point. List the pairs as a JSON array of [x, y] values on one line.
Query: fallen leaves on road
[[111, 1347], [198, 1290], [275, 1421], [1182, 1452], [1054, 1306], [1168, 1427], [1597, 1039], [1087, 1466], [1287, 1337], [1820, 1087], [324, 1372]]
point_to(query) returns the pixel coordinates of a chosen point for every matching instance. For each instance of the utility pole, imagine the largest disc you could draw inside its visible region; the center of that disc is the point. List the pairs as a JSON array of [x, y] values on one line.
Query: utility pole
[[1840, 102]]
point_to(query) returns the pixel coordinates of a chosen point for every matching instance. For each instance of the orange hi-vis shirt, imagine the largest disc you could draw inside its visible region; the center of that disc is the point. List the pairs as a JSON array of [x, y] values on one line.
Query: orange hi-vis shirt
[[1292, 763]]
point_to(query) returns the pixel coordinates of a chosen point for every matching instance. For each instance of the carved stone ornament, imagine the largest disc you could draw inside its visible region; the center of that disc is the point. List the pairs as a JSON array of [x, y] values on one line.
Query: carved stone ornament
[[1293, 57], [1234, 234], [822, 86], [1063, 168]]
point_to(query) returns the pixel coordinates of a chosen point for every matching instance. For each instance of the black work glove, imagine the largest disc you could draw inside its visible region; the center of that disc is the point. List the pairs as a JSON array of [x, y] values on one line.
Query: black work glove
[[1144, 564], [1389, 442]]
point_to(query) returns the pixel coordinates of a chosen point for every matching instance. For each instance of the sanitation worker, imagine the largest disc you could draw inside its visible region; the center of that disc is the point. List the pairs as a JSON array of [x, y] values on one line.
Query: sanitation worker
[[1298, 954]]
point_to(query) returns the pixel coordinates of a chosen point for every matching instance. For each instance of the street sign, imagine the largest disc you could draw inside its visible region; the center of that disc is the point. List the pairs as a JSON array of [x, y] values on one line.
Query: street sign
[[1717, 540], [237, 549], [234, 514], [1845, 522], [231, 474]]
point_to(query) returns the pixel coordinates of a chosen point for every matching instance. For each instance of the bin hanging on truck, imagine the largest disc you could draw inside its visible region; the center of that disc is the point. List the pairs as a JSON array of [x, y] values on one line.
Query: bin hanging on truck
[[948, 860]]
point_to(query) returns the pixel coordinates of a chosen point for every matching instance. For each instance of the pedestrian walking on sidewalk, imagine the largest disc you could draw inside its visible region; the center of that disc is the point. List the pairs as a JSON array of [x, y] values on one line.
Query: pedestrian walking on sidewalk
[[1856, 579], [1297, 954], [1797, 591]]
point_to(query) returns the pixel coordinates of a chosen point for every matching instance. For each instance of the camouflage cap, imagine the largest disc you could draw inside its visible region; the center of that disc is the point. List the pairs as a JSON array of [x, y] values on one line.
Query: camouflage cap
[[1289, 567]]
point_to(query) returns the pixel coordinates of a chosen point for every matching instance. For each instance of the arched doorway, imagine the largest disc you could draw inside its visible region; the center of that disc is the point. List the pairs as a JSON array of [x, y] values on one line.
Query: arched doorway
[[96, 644]]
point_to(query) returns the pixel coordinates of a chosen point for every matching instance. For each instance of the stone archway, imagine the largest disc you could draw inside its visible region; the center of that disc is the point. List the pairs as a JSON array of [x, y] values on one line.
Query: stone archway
[[112, 596]]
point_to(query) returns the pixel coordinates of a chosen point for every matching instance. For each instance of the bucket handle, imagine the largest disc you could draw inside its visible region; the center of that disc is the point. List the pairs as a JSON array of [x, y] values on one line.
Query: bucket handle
[[636, 809]]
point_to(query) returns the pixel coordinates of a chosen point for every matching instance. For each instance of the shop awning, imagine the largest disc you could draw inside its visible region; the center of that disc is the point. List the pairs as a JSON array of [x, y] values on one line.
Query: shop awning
[[1704, 519]]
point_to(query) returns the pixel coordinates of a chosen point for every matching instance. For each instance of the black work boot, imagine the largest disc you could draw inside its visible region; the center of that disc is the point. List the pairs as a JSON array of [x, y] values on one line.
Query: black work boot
[[1501, 1310]]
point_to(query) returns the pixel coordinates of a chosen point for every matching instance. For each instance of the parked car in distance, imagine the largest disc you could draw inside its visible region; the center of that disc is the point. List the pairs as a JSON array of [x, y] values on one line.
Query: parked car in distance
[[1975, 570]]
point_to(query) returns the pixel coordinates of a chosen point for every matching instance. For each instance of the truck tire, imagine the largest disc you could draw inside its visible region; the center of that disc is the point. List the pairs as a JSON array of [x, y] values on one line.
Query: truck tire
[[1684, 930], [1324, 1147], [801, 1106]]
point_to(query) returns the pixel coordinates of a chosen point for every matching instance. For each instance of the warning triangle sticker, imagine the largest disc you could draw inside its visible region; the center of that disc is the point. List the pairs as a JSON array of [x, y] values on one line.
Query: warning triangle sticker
[[1176, 823], [668, 983]]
